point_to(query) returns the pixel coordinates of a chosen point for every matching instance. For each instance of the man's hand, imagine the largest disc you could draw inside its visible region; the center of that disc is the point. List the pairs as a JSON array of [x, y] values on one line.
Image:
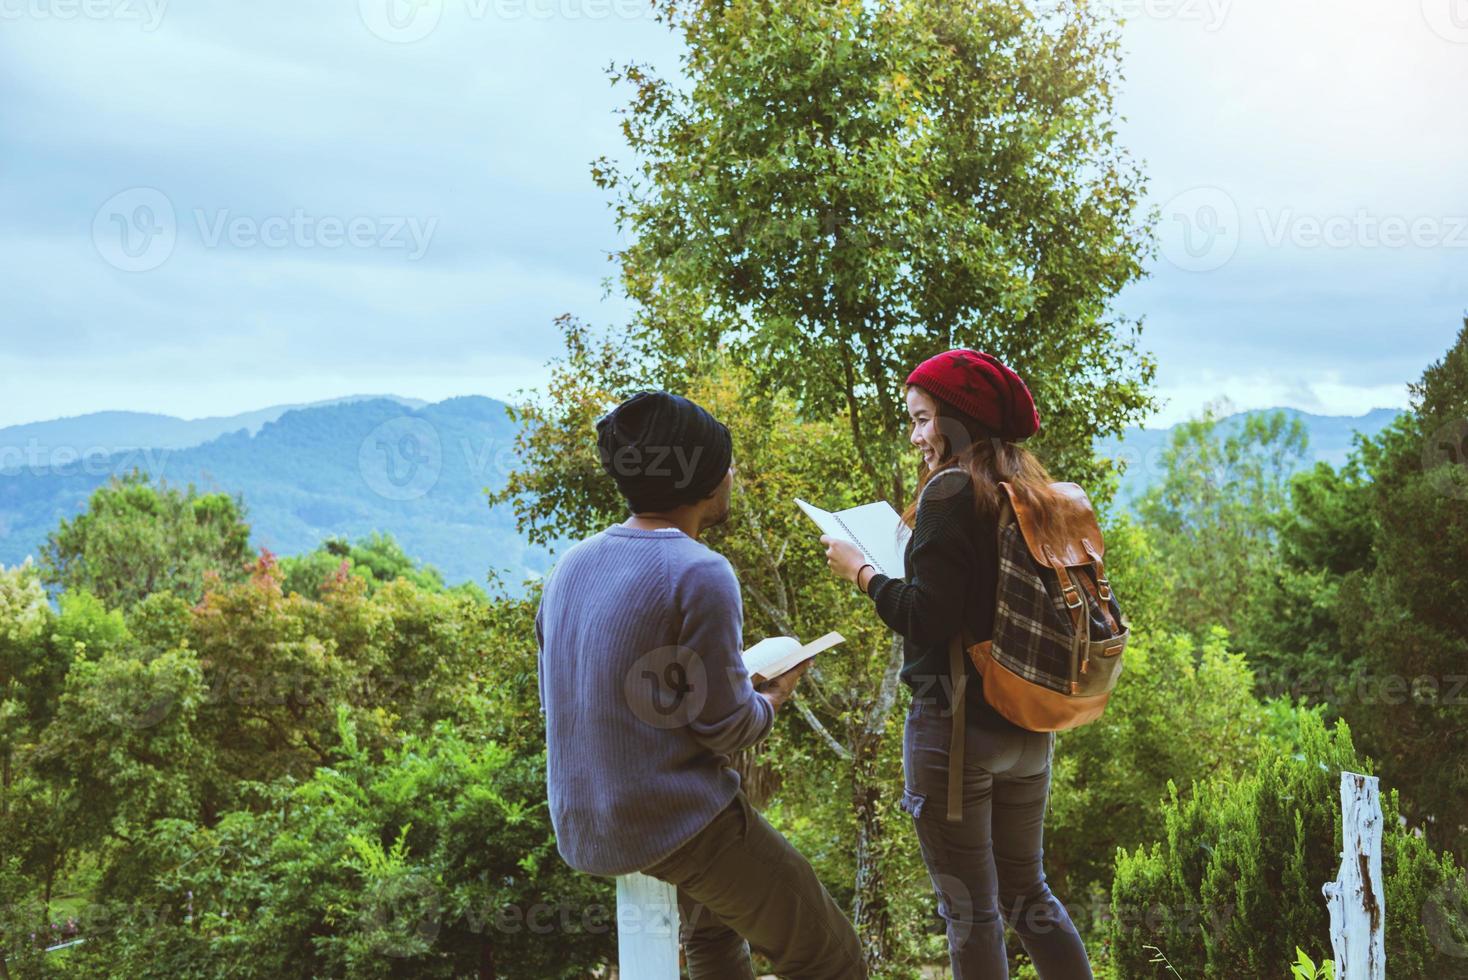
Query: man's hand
[[779, 689]]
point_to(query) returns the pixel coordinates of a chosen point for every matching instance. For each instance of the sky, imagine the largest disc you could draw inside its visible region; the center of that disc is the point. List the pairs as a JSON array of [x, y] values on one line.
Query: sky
[[211, 207]]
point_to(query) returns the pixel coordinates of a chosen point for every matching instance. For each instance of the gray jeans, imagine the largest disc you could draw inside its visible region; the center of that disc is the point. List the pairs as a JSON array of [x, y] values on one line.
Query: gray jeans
[[988, 870]]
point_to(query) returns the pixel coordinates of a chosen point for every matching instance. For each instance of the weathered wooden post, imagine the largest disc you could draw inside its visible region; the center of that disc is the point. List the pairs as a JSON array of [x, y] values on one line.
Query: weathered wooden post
[[1355, 899], [647, 928]]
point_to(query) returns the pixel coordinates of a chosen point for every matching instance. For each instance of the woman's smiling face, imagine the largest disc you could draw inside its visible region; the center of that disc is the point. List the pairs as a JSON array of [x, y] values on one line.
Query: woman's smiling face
[[924, 413]]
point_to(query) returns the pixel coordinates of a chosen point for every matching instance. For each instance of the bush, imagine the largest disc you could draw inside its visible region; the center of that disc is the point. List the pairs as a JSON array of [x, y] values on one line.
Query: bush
[[1233, 887], [1180, 711]]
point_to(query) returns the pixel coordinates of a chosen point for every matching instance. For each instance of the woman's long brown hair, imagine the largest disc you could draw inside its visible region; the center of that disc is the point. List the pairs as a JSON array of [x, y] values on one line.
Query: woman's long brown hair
[[988, 460]]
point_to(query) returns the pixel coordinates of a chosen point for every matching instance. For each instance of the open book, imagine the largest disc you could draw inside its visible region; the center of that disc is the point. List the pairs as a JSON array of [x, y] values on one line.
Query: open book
[[875, 528], [771, 657]]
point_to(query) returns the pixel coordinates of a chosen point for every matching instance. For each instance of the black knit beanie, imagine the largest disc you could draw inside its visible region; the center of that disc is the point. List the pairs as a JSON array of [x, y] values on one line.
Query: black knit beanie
[[663, 450]]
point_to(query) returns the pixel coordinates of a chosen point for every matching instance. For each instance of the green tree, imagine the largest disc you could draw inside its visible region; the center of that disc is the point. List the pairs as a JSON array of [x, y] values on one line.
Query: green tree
[[1414, 639], [1292, 624], [1182, 711], [835, 191], [1210, 519], [377, 558], [30, 680], [30, 676], [831, 193], [135, 539]]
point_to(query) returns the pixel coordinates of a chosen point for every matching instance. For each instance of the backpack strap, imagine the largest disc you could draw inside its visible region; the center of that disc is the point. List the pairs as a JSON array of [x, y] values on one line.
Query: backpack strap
[[945, 472], [958, 685], [956, 735]]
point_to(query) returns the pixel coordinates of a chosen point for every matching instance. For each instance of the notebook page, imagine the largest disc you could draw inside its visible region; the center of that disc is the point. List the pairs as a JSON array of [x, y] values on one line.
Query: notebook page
[[880, 532]]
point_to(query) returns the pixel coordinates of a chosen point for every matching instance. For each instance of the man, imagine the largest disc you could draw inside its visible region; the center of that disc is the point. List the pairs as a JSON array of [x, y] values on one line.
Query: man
[[646, 696]]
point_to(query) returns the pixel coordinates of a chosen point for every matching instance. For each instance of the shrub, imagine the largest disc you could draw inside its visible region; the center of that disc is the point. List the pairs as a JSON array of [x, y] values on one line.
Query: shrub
[[1233, 887]]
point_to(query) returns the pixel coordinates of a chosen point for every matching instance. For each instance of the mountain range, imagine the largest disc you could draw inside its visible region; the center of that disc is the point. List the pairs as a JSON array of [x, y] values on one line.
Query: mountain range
[[342, 468], [1330, 441], [349, 466]]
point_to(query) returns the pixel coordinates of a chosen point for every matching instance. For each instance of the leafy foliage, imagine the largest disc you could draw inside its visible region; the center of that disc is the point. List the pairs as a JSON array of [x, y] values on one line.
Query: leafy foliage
[[872, 183], [135, 539], [1232, 888], [262, 784], [1181, 708], [1210, 516]]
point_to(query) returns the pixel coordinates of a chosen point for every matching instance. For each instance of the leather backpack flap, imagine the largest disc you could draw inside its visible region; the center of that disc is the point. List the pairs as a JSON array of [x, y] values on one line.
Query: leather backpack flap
[[1068, 526], [1068, 535]]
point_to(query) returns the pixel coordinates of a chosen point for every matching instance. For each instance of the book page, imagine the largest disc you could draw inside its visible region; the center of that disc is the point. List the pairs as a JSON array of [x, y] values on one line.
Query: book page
[[761, 658], [771, 657]]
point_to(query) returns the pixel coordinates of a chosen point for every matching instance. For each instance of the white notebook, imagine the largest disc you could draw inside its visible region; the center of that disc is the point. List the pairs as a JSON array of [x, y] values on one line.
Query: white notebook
[[769, 658], [875, 528]]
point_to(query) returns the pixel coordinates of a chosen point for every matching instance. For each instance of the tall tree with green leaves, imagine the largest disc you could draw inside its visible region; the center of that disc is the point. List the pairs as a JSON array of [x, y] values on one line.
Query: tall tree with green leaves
[[1298, 624], [135, 539], [834, 191], [1412, 704], [1211, 519]]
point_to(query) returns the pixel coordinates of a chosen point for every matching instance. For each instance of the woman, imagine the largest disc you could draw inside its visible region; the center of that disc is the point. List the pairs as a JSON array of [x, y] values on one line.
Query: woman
[[969, 412]]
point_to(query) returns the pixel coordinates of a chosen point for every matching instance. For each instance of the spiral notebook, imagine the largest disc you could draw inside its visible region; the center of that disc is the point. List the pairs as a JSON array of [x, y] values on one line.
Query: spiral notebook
[[875, 528]]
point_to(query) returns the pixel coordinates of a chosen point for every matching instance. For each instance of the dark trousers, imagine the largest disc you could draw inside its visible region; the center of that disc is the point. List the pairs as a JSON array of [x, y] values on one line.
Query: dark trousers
[[741, 885], [988, 869]]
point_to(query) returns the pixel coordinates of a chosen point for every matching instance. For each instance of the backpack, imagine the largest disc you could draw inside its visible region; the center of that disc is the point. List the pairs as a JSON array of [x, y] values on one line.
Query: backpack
[[1059, 632]]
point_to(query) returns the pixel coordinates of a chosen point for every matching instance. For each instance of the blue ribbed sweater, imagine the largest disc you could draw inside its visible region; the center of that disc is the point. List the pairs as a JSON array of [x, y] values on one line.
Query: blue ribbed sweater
[[645, 695]]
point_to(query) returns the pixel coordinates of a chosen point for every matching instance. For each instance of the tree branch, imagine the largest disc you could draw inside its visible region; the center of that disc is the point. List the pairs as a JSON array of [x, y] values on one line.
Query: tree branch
[[887, 694], [853, 412], [842, 752], [782, 623]]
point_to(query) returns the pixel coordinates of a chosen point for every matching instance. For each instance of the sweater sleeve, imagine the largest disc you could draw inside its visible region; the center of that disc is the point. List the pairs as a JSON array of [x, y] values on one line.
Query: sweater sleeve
[[928, 607], [733, 715]]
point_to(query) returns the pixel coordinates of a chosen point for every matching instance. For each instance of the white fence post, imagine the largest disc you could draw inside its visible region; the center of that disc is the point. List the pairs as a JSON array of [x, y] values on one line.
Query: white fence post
[[647, 928], [1355, 899]]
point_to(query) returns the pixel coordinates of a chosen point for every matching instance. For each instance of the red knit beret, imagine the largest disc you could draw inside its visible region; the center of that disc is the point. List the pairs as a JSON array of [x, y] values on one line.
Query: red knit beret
[[979, 385]]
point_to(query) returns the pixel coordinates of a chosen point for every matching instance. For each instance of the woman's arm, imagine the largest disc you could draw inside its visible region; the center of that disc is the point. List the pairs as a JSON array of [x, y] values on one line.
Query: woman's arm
[[928, 608]]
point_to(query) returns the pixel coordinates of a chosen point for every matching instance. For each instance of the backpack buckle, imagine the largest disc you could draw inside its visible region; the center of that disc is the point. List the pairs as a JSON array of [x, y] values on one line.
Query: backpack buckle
[[1068, 591], [1103, 584]]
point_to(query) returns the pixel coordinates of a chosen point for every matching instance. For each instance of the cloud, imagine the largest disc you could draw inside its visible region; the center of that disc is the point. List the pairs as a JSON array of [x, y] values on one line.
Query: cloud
[[485, 126]]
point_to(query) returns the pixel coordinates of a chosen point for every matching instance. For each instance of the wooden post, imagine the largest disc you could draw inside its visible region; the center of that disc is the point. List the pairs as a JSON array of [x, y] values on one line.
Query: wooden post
[[647, 928], [1355, 899]]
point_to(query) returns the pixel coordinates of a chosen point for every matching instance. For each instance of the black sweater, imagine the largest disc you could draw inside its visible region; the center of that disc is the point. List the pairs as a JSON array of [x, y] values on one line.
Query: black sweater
[[951, 566]]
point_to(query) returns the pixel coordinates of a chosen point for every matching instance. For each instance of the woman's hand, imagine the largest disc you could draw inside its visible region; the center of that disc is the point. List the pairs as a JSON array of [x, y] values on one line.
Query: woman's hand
[[844, 557]]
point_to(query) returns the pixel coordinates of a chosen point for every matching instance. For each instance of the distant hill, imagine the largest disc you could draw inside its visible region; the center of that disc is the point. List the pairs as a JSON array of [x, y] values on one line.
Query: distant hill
[[115, 431], [342, 469], [351, 466], [1330, 441]]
